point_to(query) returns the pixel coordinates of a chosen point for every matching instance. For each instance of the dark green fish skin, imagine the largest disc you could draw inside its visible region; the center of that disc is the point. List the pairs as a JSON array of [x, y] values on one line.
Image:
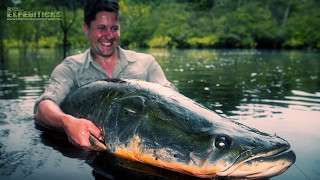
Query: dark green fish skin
[[157, 125]]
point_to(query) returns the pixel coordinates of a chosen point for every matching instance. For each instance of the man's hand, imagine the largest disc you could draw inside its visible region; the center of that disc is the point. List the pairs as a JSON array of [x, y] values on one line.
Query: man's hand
[[50, 115], [79, 130]]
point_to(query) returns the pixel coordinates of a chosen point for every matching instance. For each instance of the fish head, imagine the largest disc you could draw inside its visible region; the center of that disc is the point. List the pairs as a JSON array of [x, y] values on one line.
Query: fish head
[[243, 152], [197, 141]]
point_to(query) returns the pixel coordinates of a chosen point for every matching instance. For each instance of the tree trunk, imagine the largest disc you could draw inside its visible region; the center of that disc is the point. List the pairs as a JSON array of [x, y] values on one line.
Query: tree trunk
[[66, 23], [285, 16], [65, 43]]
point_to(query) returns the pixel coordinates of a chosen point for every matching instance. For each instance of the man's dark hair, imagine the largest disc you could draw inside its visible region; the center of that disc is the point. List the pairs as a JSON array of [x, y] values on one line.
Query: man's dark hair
[[92, 7]]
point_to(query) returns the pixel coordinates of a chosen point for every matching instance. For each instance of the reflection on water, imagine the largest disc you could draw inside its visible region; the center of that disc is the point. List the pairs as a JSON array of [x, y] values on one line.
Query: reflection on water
[[274, 91]]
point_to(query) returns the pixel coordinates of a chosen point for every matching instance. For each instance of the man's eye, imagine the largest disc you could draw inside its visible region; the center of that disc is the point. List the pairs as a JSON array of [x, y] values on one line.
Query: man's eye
[[101, 27], [116, 28]]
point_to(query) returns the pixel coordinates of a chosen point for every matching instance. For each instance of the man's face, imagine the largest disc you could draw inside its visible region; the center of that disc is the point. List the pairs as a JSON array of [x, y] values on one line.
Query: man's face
[[103, 34]]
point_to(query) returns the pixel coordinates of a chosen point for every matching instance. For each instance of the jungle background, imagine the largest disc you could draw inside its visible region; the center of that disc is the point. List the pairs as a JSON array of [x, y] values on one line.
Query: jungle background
[[271, 24]]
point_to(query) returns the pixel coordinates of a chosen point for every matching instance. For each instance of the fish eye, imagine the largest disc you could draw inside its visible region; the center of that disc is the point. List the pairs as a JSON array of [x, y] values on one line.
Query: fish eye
[[222, 142]]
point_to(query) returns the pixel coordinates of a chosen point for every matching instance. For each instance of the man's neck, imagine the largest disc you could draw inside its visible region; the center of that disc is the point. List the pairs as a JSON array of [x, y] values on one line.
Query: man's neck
[[107, 63]]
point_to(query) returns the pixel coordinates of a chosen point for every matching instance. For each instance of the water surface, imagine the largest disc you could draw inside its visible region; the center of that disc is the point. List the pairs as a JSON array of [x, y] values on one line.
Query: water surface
[[274, 91]]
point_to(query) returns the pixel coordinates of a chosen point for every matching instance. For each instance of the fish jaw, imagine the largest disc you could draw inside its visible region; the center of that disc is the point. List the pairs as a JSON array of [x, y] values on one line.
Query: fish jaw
[[265, 167], [97, 144], [262, 166]]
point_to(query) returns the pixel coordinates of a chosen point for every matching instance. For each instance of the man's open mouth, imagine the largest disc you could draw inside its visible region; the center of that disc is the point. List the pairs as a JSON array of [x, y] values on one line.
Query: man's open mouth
[[106, 44]]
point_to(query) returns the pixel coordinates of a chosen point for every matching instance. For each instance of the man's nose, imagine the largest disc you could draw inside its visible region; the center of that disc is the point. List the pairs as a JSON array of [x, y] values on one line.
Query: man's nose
[[108, 34]]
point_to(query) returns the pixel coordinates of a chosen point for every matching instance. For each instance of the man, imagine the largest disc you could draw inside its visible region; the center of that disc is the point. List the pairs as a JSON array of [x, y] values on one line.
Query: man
[[104, 59]]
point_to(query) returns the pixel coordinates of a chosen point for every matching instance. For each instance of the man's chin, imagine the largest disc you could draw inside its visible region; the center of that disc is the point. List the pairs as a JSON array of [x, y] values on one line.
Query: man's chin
[[105, 54]]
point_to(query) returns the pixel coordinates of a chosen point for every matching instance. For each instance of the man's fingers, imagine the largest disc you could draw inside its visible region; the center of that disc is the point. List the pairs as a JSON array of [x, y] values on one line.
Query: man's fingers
[[95, 138], [84, 133], [94, 130]]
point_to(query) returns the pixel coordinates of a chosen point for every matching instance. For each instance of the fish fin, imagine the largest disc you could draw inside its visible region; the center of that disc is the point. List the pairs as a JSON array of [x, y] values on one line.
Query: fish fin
[[97, 144], [114, 80]]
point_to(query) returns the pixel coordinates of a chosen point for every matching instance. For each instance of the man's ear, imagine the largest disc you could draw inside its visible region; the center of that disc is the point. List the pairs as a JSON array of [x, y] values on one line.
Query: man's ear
[[85, 29]]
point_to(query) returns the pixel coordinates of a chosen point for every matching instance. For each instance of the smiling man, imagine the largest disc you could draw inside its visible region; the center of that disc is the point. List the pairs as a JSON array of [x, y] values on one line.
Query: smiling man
[[104, 59], [104, 34]]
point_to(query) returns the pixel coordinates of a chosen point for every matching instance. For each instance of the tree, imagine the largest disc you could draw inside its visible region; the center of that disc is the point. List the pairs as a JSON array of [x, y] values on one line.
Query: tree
[[303, 25], [3, 5], [67, 20]]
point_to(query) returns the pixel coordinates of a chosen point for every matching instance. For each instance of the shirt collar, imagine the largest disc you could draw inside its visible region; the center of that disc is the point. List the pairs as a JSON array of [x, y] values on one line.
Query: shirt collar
[[88, 60], [123, 57], [124, 60]]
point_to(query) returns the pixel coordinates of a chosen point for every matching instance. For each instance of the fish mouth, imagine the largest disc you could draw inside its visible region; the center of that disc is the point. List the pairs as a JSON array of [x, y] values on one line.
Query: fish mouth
[[261, 165]]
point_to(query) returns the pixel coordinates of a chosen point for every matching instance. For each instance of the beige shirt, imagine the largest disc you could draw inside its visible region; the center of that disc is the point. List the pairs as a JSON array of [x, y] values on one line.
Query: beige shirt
[[81, 69]]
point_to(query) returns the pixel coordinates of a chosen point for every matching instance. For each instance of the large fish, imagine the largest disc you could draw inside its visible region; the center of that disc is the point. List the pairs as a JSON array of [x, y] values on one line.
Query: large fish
[[157, 125]]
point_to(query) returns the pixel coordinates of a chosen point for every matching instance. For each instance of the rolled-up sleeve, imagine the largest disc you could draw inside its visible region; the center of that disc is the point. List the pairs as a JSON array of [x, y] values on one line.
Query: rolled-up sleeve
[[61, 82], [156, 75]]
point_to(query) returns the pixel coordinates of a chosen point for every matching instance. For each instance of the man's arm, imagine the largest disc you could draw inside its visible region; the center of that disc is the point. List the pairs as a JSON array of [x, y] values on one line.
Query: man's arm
[[50, 115]]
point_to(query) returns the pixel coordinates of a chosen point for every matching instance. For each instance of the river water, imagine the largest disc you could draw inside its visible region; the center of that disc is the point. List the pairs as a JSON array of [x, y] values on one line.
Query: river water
[[274, 91]]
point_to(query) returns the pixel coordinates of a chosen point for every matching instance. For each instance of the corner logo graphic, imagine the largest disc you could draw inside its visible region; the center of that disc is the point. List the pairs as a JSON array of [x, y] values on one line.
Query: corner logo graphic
[[18, 14]]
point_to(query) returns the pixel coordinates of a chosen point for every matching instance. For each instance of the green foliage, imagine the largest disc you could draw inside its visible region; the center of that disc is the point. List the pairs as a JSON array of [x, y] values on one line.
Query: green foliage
[[303, 29], [48, 42], [184, 24], [76, 35], [206, 41], [136, 24], [159, 42]]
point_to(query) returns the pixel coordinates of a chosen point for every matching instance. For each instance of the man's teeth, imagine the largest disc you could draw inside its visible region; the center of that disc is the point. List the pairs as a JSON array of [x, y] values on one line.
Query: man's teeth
[[106, 43]]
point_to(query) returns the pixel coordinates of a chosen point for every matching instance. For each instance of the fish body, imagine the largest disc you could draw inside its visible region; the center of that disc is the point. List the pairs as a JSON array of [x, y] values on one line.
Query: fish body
[[157, 125]]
